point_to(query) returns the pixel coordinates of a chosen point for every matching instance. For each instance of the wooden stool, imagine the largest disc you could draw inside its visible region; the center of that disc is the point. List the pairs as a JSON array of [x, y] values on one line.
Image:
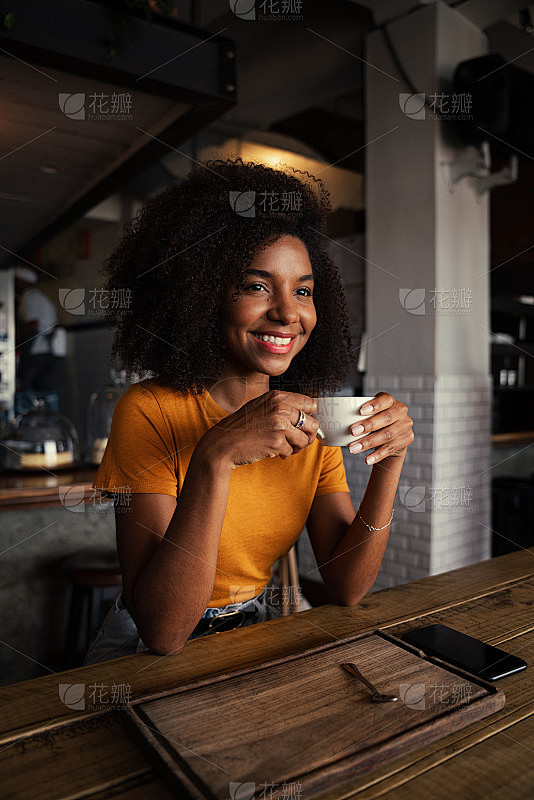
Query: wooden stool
[[286, 572], [95, 576]]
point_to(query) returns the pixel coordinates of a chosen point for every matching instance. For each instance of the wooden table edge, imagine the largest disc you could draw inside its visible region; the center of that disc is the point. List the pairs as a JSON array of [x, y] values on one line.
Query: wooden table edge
[[74, 676]]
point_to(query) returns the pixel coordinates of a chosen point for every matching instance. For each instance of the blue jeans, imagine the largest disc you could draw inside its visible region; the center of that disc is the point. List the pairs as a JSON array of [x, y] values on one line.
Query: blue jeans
[[118, 635]]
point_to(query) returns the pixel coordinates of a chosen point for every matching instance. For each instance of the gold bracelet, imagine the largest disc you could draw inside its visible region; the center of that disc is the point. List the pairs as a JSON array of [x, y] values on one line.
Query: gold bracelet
[[371, 528]]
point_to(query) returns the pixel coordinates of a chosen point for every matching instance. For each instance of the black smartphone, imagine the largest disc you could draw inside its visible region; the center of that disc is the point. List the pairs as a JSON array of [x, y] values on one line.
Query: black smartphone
[[463, 651]]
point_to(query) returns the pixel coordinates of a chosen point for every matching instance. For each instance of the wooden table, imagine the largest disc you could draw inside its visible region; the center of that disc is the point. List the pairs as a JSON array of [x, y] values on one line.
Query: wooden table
[[51, 751]]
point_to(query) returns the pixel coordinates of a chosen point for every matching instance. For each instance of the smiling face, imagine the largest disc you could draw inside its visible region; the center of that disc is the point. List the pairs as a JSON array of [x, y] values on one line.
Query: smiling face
[[273, 316]]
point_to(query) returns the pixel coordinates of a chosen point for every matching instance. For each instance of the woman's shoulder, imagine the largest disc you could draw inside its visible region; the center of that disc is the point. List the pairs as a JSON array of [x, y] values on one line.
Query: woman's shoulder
[[150, 391], [149, 405]]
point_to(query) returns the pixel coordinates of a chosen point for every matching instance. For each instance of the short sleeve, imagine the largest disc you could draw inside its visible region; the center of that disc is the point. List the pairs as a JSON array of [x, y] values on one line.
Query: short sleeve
[[139, 455], [332, 478]]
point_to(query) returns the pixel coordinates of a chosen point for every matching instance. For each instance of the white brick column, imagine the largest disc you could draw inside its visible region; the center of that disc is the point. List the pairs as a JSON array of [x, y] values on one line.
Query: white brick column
[[442, 511], [428, 347]]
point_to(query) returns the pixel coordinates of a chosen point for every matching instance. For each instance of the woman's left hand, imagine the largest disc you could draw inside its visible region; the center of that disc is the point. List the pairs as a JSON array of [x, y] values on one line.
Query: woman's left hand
[[388, 429]]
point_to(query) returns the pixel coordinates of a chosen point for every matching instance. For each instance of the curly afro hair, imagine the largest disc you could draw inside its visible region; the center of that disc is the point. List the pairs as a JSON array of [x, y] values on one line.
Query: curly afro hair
[[183, 251]]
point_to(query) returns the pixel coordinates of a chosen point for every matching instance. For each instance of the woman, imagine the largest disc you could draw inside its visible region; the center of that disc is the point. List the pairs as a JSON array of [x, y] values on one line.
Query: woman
[[240, 318]]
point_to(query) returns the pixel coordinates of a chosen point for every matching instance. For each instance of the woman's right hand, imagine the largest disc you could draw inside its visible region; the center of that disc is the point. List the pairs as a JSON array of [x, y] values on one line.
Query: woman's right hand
[[262, 428]]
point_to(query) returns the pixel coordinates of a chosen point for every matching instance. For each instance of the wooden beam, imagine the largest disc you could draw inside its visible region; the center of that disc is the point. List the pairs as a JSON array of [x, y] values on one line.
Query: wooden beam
[[165, 57], [155, 149]]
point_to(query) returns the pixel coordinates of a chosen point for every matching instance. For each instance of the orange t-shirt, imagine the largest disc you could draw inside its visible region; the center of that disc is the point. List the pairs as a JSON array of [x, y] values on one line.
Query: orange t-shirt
[[153, 434]]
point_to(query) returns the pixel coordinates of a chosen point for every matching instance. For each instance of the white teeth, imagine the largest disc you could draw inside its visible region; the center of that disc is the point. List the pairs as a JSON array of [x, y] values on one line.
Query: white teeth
[[279, 340]]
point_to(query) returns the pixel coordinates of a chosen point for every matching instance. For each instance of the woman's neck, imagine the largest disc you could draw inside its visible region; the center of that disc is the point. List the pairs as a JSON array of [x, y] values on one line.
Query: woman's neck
[[230, 393]]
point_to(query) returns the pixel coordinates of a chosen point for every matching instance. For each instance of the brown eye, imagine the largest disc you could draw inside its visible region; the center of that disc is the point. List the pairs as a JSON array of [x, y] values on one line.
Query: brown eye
[[255, 287]]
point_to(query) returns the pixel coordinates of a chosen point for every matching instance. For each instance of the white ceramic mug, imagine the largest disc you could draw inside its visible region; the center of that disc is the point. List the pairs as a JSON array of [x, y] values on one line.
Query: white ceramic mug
[[336, 415]]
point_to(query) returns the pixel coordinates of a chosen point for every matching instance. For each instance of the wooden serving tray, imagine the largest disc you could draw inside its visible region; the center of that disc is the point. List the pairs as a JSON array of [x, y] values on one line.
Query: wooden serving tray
[[304, 720]]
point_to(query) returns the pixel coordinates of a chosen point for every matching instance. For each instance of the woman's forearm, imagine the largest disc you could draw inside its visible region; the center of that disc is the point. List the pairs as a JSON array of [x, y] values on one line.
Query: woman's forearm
[[176, 585], [354, 564]]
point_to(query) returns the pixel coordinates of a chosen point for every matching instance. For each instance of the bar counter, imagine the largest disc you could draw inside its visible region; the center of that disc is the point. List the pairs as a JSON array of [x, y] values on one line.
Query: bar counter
[[46, 517], [41, 488]]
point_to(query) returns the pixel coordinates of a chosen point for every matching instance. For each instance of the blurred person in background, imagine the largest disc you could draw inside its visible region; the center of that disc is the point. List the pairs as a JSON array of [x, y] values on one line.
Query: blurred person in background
[[40, 341]]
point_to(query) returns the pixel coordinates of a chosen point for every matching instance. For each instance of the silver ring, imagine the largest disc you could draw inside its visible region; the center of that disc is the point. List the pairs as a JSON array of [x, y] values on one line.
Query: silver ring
[[302, 419]]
